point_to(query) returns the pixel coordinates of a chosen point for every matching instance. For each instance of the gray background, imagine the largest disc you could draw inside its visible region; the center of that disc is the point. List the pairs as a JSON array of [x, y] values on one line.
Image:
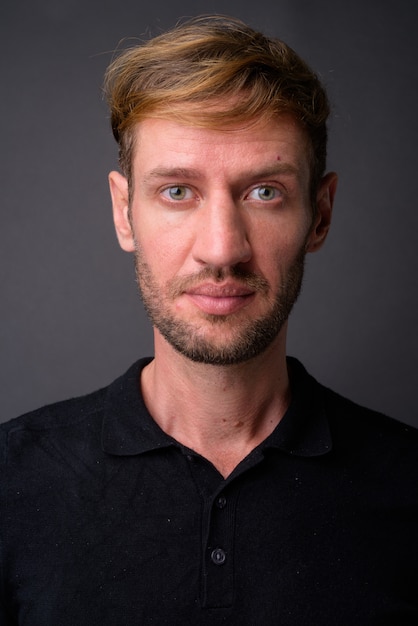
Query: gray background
[[71, 319]]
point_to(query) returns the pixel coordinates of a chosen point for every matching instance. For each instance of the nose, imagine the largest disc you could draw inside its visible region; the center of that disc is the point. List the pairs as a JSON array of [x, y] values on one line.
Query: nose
[[221, 239]]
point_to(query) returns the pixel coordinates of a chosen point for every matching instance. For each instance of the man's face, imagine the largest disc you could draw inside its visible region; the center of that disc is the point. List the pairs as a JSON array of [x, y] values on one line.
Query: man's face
[[220, 221]]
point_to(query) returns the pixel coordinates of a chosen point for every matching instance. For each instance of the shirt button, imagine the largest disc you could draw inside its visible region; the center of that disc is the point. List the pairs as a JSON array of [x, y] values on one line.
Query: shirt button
[[218, 556], [221, 502]]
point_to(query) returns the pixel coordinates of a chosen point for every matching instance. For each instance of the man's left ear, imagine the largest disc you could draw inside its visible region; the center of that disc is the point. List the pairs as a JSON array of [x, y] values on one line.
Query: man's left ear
[[324, 204]]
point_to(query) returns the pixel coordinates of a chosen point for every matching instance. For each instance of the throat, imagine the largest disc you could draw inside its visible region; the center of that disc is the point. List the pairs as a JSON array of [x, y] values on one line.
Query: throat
[[219, 436], [218, 413]]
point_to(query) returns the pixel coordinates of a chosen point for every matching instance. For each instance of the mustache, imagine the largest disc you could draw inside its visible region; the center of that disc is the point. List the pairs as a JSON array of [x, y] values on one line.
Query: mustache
[[176, 286]]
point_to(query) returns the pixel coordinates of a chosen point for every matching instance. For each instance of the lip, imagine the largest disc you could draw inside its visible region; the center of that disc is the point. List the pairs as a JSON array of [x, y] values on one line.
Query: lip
[[220, 299]]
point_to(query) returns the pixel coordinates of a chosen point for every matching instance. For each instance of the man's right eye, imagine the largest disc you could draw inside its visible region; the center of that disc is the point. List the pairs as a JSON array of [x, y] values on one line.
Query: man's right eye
[[177, 192]]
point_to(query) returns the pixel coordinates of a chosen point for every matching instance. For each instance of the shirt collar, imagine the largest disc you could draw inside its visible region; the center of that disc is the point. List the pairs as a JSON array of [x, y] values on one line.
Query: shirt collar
[[304, 429], [128, 428]]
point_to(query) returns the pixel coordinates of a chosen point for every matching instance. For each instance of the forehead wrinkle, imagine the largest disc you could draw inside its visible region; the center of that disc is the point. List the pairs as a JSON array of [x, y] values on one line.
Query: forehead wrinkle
[[289, 157]]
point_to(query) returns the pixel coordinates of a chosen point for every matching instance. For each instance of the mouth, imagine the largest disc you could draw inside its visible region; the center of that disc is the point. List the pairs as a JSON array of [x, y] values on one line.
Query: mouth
[[220, 299]]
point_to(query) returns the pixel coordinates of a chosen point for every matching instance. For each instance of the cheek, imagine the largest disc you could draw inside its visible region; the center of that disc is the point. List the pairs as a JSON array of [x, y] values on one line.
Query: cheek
[[164, 251], [281, 244]]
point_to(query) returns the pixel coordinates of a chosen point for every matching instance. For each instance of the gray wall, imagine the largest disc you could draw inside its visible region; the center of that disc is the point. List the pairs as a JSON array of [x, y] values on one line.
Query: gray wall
[[71, 319]]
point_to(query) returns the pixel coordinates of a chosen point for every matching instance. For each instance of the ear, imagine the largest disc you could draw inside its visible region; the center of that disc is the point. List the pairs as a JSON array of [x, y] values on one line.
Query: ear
[[120, 203], [324, 204]]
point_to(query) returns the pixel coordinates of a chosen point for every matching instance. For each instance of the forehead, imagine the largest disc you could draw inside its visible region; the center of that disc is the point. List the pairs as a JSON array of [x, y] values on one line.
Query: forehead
[[167, 143]]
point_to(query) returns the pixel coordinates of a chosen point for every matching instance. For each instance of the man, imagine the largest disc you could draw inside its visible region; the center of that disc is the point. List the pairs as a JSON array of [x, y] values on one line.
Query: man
[[217, 482]]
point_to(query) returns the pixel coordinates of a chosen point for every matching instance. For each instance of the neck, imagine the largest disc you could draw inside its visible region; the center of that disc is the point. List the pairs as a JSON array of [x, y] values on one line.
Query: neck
[[221, 412]]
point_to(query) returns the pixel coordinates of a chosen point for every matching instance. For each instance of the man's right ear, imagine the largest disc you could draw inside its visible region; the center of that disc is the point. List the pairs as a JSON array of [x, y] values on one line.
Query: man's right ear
[[120, 203]]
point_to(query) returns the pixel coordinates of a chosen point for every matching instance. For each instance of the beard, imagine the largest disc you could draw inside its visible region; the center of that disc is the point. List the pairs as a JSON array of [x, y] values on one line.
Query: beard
[[245, 337]]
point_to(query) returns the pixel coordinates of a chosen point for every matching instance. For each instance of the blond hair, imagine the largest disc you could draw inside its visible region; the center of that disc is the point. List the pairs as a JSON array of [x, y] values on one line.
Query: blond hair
[[190, 72]]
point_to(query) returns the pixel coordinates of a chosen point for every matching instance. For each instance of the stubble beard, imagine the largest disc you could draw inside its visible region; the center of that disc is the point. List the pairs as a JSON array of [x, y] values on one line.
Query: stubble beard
[[248, 337]]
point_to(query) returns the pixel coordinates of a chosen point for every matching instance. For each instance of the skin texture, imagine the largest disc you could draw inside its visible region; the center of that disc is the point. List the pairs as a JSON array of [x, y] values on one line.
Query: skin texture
[[219, 222]]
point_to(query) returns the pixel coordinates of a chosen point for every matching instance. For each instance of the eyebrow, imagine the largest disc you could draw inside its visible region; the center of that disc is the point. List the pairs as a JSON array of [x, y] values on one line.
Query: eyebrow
[[194, 174], [171, 172]]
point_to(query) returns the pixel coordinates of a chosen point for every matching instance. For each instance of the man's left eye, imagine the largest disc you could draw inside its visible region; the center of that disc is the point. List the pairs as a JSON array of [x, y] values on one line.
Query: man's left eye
[[265, 192]]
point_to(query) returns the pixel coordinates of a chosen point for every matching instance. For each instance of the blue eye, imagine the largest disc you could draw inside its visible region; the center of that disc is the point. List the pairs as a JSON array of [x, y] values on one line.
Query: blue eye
[[264, 193], [177, 192]]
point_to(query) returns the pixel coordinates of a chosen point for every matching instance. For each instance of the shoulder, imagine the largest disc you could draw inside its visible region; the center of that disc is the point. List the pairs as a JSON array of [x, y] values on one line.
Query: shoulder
[[346, 415], [376, 444], [57, 414], [72, 422], [53, 420], [361, 439]]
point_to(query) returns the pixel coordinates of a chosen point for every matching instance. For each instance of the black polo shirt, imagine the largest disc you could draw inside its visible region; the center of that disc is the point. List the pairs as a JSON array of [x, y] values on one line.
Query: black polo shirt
[[107, 520]]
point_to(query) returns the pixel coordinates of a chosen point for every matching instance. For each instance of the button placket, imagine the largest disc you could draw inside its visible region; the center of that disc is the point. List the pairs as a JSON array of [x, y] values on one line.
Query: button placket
[[218, 577]]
